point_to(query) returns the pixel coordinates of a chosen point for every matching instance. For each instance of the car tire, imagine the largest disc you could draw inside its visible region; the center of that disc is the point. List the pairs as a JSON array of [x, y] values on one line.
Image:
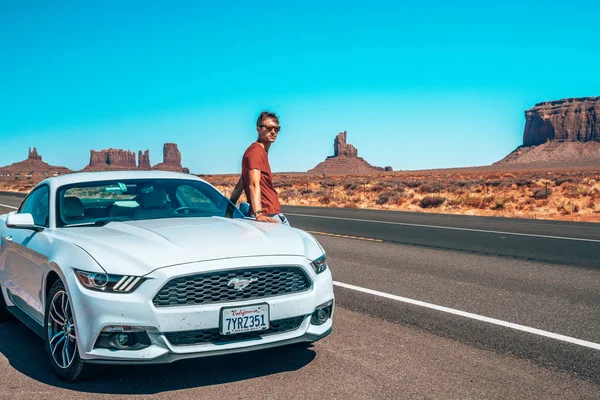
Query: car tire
[[61, 335], [4, 314]]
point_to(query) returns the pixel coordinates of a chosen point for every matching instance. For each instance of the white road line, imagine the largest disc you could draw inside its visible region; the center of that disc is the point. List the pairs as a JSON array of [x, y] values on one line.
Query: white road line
[[4, 205], [465, 314], [448, 227]]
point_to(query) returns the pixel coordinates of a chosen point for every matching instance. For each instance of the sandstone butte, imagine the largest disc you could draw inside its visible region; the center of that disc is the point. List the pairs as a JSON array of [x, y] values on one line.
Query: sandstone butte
[[560, 132], [345, 160], [118, 159], [111, 159], [171, 159], [33, 165], [103, 160]]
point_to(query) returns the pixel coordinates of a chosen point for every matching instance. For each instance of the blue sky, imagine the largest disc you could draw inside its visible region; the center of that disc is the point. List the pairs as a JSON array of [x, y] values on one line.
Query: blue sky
[[418, 86]]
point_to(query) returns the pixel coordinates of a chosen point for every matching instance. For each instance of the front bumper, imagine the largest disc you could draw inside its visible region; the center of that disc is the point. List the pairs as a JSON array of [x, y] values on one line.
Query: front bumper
[[94, 311]]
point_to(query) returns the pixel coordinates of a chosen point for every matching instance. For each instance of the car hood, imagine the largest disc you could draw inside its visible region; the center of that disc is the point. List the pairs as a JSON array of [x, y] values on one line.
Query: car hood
[[139, 247]]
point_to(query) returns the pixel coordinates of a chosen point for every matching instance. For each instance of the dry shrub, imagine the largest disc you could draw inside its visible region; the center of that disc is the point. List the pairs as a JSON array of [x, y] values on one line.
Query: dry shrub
[[377, 187], [496, 182], [582, 190], [499, 203], [456, 189], [472, 200], [428, 188], [523, 182], [478, 201], [487, 200], [432, 201], [561, 181], [567, 207], [306, 191], [289, 194], [463, 184], [350, 204], [326, 199], [386, 197], [281, 184], [453, 201], [591, 204], [543, 193], [413, 184]]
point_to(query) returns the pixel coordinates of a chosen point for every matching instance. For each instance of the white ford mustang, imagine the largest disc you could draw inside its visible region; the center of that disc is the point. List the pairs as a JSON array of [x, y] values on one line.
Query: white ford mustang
[[152, 267]]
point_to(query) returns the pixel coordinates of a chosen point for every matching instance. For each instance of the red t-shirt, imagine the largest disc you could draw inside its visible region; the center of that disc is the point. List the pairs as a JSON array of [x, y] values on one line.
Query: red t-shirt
[[256, 157]]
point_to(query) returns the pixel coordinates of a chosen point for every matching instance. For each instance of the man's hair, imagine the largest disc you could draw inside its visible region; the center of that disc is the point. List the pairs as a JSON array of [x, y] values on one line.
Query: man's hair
[[266, 115]]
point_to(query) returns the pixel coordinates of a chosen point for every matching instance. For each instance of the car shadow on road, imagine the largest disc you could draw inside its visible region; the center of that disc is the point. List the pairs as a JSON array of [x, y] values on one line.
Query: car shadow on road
[[26, 353]]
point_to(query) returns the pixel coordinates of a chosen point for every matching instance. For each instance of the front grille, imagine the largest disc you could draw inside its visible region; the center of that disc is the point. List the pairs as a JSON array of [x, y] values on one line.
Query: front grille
[[189, 338], [215, 287]]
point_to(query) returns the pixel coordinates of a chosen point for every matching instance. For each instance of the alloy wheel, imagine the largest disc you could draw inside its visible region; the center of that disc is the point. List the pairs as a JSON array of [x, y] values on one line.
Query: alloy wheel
[[61, 330]]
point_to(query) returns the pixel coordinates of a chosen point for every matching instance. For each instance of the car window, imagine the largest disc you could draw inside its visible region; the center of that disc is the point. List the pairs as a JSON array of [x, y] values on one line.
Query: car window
[[101, 202], [36, 204], [191, 197]]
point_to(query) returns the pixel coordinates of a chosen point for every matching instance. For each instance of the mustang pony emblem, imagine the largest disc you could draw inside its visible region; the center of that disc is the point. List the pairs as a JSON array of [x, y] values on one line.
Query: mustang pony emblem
[[241, 284]]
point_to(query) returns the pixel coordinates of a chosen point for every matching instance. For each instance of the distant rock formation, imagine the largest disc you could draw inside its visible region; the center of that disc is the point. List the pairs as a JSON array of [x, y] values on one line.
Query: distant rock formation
[[341, 148], [556, 153], [144, 160], [33, 166], [33, 155], [345, 160], [118, 159], [567, 119], [111, 159], [559, 132], [171, 159]]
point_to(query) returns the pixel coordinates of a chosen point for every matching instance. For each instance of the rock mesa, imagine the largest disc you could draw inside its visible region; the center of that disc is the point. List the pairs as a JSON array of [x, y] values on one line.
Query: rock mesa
[[342, 148], [33, 165], [345, 160], [559, 132], [111, 159], [144, 160], [171, 159], [567, 119]]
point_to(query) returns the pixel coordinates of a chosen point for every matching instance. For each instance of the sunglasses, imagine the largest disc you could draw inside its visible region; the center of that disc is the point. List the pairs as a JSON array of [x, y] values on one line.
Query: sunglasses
[[271, 128]]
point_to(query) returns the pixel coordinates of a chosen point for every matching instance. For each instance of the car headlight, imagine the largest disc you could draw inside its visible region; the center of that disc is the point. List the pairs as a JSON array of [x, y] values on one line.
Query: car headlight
[[109, 283], [320, 264]]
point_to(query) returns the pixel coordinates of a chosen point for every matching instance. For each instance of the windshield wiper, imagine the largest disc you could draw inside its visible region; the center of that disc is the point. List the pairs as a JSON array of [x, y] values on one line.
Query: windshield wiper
[[94, 223]]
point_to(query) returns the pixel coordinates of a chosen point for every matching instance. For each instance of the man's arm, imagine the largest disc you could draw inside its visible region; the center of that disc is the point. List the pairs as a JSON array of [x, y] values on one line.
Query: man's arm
[[237, 191], [255, 196]]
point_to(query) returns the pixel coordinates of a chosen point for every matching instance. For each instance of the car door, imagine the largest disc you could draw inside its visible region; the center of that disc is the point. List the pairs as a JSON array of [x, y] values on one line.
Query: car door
[[26, 255]]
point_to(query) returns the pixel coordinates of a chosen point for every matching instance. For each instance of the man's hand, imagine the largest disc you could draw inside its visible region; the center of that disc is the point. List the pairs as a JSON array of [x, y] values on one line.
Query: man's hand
[[265, 218]]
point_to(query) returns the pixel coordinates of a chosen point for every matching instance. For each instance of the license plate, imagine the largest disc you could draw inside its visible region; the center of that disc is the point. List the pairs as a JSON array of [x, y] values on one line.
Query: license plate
[[244, 319]]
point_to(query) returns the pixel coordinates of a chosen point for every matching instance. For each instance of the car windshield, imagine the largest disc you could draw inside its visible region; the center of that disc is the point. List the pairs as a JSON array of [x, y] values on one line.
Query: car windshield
[[98, 203]]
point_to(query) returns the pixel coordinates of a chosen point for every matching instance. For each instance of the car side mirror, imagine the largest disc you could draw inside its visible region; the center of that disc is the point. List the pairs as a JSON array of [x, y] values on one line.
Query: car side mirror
[[22, 221], [245, 209]]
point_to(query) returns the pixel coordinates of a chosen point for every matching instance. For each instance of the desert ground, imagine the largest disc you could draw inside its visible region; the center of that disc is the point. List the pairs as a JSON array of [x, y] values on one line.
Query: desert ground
[[544, 193], [560, 194]]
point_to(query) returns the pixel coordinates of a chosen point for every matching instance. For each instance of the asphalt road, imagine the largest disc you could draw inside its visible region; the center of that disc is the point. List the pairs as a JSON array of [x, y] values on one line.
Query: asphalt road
[[11, 200], [557, 242], [394, 346]]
